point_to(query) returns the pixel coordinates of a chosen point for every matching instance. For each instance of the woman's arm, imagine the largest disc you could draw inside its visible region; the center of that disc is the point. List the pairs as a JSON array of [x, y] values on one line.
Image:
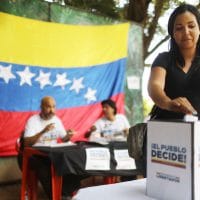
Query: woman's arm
[[156, 88], [156, 91]]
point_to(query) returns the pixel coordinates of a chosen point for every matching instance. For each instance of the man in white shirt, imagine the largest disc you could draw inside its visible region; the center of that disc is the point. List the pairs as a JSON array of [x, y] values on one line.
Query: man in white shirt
[[47, 128]]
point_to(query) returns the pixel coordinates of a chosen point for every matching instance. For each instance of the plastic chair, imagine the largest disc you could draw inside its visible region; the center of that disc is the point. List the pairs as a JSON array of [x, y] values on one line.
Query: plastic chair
[[110, 179], [31, 189], [30, 180], [106, 180]]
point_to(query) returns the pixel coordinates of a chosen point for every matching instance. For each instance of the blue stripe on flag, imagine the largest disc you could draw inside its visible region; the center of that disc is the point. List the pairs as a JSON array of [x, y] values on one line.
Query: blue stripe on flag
[[24, 86]]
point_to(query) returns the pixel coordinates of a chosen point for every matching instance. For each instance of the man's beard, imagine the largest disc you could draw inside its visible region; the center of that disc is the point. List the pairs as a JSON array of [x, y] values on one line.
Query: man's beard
[[47, 116]]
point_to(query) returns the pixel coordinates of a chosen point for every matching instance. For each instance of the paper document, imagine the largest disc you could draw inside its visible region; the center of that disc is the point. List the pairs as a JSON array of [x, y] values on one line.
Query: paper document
[[97, 159], [64, 144], [124, 161]]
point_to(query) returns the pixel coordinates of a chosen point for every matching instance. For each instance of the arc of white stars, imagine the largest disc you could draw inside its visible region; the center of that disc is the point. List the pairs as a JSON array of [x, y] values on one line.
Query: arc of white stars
[[77, 85], [6, 74], [90, 95], [43, 79], [25, 76], [61, 80]]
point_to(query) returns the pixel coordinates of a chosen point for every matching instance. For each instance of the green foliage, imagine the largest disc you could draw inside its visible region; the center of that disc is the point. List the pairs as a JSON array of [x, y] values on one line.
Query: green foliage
[[147, 106], [70, 15], [103, 7], [26, 8]]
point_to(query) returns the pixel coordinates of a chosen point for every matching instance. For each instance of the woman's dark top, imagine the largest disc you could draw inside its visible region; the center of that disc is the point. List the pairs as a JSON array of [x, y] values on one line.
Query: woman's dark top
[[179, 84]]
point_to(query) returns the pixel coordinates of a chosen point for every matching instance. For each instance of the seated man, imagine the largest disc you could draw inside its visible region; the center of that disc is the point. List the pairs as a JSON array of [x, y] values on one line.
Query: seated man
[[111, 126], [47, 128]]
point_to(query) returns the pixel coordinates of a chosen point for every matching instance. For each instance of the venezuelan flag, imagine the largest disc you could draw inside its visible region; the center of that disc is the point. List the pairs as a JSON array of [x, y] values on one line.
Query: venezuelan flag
[[78, 65]]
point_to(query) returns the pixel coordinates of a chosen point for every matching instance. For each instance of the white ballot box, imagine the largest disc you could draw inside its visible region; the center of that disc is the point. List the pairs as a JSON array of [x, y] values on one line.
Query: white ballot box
[[173, 160]]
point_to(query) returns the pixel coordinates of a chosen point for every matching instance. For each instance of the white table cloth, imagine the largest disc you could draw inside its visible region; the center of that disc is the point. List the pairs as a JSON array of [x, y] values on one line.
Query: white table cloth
[[130, 190]]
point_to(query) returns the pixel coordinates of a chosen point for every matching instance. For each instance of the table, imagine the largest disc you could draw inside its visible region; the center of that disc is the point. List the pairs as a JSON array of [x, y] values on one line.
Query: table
[[130, 190], [70, 160]]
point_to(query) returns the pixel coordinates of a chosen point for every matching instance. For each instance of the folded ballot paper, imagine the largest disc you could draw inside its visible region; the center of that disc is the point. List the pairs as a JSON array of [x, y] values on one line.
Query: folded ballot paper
[[64, 144], [190, 118]]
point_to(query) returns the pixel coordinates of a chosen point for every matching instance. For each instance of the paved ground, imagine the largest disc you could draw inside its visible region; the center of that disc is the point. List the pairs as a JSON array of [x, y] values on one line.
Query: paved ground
[[11, 191]]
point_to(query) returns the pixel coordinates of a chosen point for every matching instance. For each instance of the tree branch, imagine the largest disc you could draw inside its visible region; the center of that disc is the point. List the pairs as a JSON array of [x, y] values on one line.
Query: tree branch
[[157, 45], [137, 10], [152, 28]]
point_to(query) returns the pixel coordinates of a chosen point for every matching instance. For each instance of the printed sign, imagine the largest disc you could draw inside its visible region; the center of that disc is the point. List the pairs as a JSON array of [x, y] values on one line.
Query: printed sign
[[168, 155], [97, 159], [169, 160], [124, 161], [133, 82]]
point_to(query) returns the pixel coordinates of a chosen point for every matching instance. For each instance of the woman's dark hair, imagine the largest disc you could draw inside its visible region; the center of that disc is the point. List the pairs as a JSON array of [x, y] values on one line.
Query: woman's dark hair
[[173, 46], [111, 103]]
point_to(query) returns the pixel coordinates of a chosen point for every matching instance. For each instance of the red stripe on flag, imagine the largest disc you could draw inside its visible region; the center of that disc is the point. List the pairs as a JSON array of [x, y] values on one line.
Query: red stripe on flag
[[78, 118]]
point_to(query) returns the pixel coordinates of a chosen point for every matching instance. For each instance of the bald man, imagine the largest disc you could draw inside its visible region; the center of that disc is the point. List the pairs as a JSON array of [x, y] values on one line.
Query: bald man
[[46, 128]]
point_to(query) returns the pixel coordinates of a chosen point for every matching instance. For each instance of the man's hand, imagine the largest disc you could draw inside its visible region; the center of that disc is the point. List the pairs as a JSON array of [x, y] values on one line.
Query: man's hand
[[48, 128]]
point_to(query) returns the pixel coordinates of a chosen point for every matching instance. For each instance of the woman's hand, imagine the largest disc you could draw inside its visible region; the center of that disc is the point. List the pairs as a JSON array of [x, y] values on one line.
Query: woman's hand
[[89, 132], [181, 104], [70, 133]]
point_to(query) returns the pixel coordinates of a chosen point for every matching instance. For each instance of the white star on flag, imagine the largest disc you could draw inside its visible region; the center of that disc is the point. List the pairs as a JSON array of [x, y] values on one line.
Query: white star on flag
[[90, 95], [77, 84], [43, 79], [5, 73], [25, 76], [61, 80]]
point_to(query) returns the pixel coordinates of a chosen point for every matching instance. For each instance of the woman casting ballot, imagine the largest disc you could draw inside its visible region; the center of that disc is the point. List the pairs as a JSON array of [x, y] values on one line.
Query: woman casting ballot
[[174, 83]]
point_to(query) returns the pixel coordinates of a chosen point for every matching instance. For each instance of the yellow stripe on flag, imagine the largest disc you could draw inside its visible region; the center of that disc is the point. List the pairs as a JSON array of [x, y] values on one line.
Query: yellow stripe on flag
[[32, 42]]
